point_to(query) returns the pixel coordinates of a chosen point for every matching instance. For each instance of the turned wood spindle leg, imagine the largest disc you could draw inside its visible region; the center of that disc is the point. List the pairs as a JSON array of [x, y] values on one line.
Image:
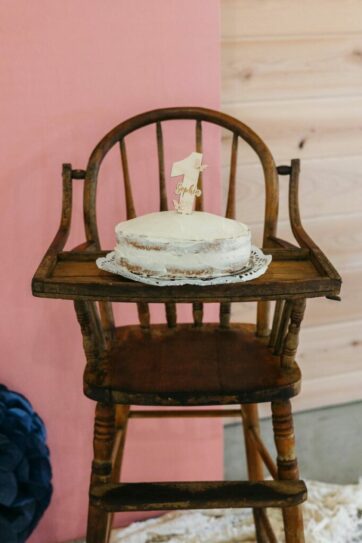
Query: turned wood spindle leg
[[121, 413], [255, 465], [99, 521], [287, 466], [292, 338]]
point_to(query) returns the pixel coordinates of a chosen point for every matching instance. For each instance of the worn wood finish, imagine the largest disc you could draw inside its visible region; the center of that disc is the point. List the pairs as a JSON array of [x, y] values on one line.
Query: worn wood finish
[[93, 343], [254, 434], [224, 315], [290, 274], [230, 206], [191, 113], [197, 495], [282, 327], [262, 319], [142, 308], [199, 205], [184, 413], [157, 116], [197, 313], [171, 312], [121, 423], [292, 338], [267, 533], [234, 358], [197, 364], [287, 466], [225, 309], [99, 521], [50, 258], [130, 207], [161, 168], [107, 321], [251, 427], [296, 224], [197, 308], [276, 322]]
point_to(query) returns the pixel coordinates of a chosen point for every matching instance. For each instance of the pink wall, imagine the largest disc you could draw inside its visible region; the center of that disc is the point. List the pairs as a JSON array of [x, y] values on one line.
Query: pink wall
[[71, 70]]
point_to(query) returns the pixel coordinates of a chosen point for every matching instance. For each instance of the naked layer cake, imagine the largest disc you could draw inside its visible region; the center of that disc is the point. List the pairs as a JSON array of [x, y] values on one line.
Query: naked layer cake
[[171, 245]]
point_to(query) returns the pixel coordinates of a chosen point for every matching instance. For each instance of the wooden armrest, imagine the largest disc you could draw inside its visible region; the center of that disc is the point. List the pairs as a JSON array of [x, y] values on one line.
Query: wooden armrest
[[278, 242], [50, 258], [304, 240], [86, 246]]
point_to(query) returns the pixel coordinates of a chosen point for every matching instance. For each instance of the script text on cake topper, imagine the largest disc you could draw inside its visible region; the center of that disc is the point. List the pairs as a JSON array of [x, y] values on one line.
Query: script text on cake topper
[[190, 167]]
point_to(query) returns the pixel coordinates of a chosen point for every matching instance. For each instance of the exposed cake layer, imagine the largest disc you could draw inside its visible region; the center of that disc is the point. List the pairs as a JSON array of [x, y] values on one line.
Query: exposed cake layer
[[168, 244]]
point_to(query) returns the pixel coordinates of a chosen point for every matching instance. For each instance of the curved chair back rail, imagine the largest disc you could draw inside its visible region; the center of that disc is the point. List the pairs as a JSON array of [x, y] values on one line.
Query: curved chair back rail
[[199, 115]]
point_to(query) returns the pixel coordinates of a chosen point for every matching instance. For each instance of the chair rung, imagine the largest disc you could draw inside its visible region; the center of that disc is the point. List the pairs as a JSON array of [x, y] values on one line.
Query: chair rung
[[197, 495]]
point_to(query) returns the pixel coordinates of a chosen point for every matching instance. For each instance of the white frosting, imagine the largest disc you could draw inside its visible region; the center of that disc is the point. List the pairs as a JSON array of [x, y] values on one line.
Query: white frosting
[[172, 225], [168, 244]]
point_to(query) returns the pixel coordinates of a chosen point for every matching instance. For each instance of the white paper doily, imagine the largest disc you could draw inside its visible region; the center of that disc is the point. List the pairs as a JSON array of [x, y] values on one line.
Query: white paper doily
[[257, 265]]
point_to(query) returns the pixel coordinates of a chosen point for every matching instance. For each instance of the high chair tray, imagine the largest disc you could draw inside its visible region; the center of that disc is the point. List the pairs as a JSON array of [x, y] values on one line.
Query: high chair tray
[[293, 273]]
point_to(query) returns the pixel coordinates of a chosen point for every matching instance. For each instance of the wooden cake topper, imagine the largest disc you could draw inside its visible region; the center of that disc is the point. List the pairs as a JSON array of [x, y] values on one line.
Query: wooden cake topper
[[190, 168]]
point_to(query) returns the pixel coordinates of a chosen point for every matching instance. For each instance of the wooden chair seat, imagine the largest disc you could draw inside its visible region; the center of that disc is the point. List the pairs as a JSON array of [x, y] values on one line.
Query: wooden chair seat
[[191, 365]]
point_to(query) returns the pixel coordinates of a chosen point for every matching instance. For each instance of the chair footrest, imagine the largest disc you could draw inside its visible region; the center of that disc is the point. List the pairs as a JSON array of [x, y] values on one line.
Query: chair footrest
[[197, 495]]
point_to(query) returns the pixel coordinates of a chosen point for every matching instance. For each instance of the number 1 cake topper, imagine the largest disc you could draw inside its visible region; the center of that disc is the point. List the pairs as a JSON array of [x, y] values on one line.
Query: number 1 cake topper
[[190, 167]]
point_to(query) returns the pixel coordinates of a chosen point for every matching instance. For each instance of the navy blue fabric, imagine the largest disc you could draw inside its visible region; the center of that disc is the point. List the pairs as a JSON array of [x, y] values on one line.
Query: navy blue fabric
[[25, 471]]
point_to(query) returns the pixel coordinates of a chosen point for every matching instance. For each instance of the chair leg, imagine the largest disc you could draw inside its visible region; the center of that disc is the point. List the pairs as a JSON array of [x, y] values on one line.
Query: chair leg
[[122, 412], [287, 466], [99, 521], [255, 467]]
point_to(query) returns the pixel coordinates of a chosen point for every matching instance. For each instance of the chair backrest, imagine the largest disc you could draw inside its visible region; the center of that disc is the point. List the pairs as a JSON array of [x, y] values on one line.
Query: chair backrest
[[199, 116]]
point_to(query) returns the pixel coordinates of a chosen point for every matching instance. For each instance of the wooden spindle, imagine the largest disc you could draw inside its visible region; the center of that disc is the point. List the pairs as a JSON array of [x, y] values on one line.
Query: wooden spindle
[[287, 466], [171, 314], [161, 168], [225, 308], [292, 339], [230, 207], [130, 209], [107, 320], [197, 308], [143, 314], [99, 521], [198, 313], [143, 309], [279, 304], [251, 426], [199, 201], [225, 314], [262, 318], [283, 326], [91, 331]]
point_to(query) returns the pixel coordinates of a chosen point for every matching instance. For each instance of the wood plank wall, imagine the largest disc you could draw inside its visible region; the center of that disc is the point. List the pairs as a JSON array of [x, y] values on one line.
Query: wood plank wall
[[293, 72]]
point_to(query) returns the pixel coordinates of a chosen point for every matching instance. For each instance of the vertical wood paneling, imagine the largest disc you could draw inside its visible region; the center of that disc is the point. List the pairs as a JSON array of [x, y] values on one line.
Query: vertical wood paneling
[[293, 72], [286, 17]]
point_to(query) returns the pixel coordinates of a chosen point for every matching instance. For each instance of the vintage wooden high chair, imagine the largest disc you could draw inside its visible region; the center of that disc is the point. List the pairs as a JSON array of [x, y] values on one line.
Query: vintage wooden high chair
[[222, 364]]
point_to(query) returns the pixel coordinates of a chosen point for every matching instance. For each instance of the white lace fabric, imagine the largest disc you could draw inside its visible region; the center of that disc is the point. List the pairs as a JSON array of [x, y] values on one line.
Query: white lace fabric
[[257, 265]]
